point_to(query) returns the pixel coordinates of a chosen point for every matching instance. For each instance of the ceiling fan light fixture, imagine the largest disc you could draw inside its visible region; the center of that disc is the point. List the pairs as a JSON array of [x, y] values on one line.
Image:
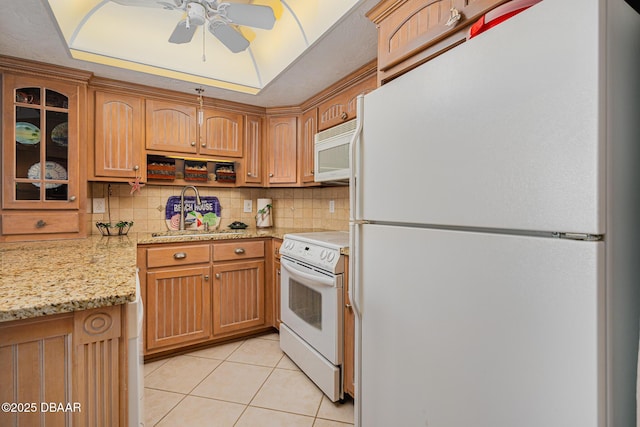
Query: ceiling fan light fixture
[[197, 13]]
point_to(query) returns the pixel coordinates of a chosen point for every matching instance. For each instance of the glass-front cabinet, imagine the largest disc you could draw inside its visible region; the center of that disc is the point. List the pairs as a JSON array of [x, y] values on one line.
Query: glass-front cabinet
[[40, 155]]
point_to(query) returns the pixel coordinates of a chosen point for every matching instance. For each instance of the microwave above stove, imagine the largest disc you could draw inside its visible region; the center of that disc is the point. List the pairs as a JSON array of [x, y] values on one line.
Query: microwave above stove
[[332, 151]]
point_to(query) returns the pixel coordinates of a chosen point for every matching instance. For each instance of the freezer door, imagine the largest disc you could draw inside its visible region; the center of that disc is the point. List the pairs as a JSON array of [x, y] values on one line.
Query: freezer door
[[484, 330], [504, 131]]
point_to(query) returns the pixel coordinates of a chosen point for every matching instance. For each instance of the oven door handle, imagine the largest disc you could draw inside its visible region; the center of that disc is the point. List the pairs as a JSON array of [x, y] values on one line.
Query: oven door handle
[[315, 279]]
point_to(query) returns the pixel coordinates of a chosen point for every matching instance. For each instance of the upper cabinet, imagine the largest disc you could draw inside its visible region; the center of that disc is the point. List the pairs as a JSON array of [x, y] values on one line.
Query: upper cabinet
[[119, 136], [252, 174], [42, 128], [282, 150], [308, 130], [410, 32], [221, 133], [342, 107], [171, 127]]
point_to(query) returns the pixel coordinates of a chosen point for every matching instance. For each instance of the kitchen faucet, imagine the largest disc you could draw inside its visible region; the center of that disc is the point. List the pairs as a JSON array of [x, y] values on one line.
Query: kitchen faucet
[[186, 187]]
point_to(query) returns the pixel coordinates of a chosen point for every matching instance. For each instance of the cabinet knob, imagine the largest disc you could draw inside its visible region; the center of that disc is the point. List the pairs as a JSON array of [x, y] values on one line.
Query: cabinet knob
[[248, 173], [206, 277], [239, 251], [344, 116], [217, 275], [136, 168], [270, 174], [40, 223], [179, 255], [347, 306], [203, 145], [72, 198], [193, 143]]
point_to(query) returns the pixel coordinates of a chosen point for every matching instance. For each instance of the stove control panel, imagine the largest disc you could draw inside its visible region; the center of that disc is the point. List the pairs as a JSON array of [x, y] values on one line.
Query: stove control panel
[[325, 258]]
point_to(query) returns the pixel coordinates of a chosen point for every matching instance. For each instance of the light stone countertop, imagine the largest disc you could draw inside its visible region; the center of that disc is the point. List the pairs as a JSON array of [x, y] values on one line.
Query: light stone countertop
[[59, 276]]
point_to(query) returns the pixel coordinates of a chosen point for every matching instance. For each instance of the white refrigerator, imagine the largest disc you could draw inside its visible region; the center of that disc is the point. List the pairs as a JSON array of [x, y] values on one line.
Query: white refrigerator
[[496, 228]]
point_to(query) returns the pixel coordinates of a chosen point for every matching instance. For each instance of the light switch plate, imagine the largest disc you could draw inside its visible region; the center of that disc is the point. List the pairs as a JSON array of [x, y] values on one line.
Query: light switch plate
[[248, 206], [332, 206], [98, 205]]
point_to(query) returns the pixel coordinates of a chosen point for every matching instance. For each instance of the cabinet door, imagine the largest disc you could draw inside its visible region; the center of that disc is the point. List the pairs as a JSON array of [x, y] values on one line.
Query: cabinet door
[[119, 130], [177, 306], [221, 134], [41, 157], [171, 127], [342, 107], [253, 150], [238, 296], [309, 128], [282, 150]]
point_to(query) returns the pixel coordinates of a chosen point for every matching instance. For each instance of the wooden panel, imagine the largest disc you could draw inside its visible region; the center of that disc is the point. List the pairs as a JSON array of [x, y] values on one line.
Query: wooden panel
[[237, 250], [238, 296], [283, 153], [39, 222], [35, 367], [342, 107], [309, 128], [177, 255], [170, 127], [411, 32], [253, 150], [349, 338], [118, 135], [222, 134], [97, 366], [178, 305]]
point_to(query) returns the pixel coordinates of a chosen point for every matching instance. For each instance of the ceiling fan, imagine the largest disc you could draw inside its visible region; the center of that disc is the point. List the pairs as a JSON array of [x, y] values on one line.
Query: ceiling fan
[[220, 18]]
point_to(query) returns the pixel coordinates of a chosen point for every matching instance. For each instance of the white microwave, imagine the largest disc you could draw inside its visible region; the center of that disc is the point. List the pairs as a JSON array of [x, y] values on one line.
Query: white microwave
[[332, 151]]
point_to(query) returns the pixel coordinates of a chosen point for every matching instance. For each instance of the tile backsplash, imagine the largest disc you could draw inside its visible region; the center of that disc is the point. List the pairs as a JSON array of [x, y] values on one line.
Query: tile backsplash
[[292, 207]]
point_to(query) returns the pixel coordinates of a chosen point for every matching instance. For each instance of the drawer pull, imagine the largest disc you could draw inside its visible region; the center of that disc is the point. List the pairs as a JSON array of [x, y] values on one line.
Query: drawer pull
[[239, 251], [179, 255], [40, 223]]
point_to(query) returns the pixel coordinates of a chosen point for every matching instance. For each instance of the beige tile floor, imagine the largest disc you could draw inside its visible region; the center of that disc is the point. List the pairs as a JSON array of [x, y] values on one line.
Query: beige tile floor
[[249, 383]]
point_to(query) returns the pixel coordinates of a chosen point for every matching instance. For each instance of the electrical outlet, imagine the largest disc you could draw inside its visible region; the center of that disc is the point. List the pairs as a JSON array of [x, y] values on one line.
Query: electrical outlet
[[98, 205], [332, 206], [248, 206]]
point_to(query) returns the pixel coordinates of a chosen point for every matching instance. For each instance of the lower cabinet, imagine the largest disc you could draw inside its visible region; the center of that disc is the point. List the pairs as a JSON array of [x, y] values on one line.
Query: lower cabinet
[[349, 339], [66, 369], [276, 282], [196, 293]]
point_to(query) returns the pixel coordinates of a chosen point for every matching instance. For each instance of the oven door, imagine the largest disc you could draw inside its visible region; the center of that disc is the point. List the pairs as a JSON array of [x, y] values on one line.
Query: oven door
[[311, 306]]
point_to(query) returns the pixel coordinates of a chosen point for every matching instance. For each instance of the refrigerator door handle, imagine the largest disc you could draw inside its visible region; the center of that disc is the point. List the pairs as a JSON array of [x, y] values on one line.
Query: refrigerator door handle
[[354, 207]]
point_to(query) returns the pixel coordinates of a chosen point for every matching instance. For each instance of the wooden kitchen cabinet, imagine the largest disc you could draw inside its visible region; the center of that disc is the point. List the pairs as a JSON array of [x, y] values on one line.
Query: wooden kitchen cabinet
[[75, 358], [119, 147], [252, 172], [221, 133], [411, 32], [349, 338], [277, 274], [308, 130], [171, 127], [44, 126], [239, 286], [177, 296], [282, 150], [342, 107]]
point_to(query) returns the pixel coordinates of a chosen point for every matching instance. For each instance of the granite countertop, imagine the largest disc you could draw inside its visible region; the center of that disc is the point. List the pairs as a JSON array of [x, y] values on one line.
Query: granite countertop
[[60, 276]]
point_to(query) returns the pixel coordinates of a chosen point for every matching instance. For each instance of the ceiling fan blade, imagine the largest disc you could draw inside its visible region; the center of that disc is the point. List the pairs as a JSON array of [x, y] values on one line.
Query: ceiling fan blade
[[182, 34], [229, 36], [251, 15], [160, 4]]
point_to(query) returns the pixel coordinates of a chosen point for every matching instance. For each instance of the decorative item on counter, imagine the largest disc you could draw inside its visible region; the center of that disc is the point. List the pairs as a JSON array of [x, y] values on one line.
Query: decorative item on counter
[[195, 171], [111, 228], [225, 172], [237, 225], [159, 167], [196, 216], [263, 217], [120, 228]]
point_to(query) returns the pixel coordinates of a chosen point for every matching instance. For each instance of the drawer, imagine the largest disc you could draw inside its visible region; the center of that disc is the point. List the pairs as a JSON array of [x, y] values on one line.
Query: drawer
[[40, 223], [238, 249], [177, 255]]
